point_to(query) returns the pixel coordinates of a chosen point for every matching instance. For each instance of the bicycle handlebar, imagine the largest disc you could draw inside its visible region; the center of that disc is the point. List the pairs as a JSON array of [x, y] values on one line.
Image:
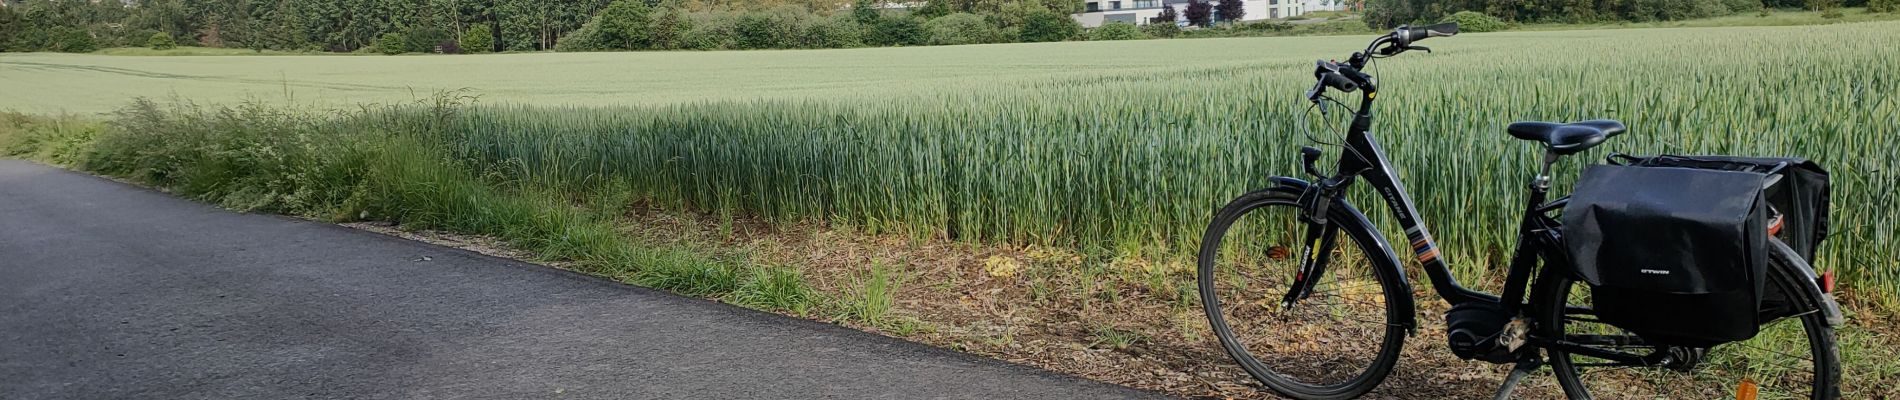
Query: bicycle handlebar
[[1347, 78], [1408, 34]]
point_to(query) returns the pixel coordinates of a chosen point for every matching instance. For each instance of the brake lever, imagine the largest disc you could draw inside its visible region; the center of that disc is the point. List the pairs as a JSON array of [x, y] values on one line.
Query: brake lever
[[1426, 49]]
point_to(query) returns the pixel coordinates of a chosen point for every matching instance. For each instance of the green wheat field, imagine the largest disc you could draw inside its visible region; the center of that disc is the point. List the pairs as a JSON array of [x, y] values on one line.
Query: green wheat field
[[1092, 145]]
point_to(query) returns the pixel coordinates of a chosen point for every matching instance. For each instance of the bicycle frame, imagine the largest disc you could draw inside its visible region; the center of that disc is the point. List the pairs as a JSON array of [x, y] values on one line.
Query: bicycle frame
[[1538, 233]]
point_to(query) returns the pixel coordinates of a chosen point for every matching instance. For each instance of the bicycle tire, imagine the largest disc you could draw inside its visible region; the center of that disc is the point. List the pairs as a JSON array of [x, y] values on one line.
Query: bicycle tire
[[1363, 238], [1825, 377]]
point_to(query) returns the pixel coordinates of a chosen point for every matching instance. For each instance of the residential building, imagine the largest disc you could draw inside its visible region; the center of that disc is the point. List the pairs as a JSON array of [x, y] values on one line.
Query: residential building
[[1139, 12]]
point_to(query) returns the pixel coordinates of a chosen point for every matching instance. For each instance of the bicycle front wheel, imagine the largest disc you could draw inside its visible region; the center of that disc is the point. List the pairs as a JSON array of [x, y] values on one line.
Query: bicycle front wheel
[[1337, 342], [1791, 358]]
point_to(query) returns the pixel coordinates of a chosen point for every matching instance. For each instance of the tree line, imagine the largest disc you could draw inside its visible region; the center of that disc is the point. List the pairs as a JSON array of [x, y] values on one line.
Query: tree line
[[397, 26], [1385, 14]]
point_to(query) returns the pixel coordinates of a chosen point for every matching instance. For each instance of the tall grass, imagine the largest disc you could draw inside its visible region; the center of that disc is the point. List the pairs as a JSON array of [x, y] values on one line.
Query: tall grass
[[1141, 159], [1114, 159]]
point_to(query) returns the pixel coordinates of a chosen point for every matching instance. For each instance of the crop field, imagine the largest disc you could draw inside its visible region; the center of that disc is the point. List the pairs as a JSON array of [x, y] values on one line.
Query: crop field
[[1116, 148], [1099, 144]]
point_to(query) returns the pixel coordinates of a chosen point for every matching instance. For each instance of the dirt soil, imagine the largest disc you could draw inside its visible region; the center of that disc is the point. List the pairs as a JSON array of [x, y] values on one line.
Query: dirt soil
[[1122, 320]]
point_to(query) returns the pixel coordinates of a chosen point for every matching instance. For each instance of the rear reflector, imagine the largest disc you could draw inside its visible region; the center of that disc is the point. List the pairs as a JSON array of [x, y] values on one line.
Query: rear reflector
[[1827, 282], [1747, 390]]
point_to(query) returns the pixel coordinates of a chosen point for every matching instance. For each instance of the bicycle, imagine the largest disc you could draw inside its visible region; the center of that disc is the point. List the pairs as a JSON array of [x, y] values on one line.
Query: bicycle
[[1330, 319]]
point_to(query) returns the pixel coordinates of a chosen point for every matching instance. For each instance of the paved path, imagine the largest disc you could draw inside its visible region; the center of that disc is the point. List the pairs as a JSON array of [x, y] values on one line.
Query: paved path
[[111, 291]]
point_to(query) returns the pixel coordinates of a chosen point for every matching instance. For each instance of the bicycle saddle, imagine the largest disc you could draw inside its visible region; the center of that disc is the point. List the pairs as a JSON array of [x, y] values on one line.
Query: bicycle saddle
[[1566, 139]]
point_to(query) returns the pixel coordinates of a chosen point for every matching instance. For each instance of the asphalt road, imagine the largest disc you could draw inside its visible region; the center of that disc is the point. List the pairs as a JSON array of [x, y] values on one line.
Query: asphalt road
[[113, 291]]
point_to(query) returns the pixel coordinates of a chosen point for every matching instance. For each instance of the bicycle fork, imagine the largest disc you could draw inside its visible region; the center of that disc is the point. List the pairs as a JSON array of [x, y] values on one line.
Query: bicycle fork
[[1321, 234]]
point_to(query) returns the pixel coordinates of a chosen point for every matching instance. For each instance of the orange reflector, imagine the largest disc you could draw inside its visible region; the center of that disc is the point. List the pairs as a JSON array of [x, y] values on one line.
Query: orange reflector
[[1747, 390], [1827, 282]]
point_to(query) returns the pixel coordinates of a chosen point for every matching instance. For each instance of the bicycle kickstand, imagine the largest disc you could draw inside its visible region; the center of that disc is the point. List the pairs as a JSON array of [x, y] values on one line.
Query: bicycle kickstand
[[1524, 368]]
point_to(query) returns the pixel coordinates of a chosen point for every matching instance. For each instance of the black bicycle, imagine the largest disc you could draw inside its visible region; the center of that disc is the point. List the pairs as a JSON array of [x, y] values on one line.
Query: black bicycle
[[1313, 317]]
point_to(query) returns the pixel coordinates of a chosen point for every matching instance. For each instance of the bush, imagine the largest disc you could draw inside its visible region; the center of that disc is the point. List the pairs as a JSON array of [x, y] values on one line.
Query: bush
[[1042, 25], [623, 25], [424, 39], [962, 28], [391, 43], [668, 29], [897, 31], [836, 32], [1116, 31], [480, 39], [1473, 21], [1162, 29], [161, 41], [757, 30], [586, 38], [1883, 6], [68, 39]]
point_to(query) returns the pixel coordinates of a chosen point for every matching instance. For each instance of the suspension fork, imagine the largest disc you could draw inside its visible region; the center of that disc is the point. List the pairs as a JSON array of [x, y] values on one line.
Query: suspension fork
[[1321, 233]]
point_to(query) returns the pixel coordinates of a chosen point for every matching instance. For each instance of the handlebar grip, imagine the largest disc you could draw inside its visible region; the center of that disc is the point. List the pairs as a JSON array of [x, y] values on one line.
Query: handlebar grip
[[1338, 81], [1414, 34]]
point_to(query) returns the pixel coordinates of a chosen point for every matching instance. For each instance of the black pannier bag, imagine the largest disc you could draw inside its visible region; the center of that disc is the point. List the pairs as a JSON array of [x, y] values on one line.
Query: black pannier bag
[[1677, 256], [1799, 196]]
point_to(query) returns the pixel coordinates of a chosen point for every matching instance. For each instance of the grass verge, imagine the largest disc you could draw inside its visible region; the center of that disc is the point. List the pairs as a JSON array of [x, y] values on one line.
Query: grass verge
[[1120, 315]]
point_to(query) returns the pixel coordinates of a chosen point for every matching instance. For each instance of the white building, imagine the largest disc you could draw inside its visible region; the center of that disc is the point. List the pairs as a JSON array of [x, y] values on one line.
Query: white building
[[1139, 12]]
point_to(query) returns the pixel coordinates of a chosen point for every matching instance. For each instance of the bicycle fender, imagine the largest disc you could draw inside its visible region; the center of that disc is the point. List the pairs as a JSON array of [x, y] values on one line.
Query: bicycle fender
[[1355, 223], [1806, 282]]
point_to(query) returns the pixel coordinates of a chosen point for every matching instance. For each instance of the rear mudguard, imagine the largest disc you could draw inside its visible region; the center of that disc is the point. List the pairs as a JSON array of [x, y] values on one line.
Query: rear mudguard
[[1391, 273]]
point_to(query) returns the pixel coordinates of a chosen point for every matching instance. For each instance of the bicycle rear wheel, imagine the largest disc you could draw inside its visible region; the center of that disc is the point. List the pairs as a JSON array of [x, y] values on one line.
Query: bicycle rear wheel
[[1341, 340], [1792, 358]]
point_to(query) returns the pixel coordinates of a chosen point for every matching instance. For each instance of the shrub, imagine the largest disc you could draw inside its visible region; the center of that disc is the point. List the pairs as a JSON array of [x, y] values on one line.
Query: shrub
[[161, 41], [836, 32], [1883, 6], [962, 28], [1042, 25], [897, 31], [68, 39], [623, 25], [1167, 16], [710, 31], [668, 29], [759, 30], [1162, 29], [586, 38], [480, 39], [424, 39], [1116, 31], [1473, 21], [391, 43]]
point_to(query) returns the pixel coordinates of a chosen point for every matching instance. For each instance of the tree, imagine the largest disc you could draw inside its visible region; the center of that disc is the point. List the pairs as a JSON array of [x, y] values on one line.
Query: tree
[[1042, 25], [1167, 16], [865, 11], [934, 9], [1229, 10], [1199, 13], [162, 41], [623, 25], [669, 27]]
